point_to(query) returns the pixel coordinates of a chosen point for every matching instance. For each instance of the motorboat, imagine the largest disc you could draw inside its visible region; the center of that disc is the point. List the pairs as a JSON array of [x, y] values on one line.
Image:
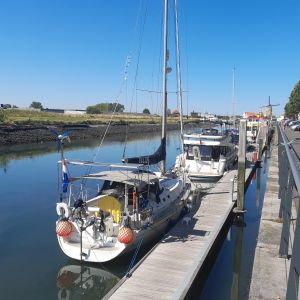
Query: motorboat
[[207, 155], [252, 130]]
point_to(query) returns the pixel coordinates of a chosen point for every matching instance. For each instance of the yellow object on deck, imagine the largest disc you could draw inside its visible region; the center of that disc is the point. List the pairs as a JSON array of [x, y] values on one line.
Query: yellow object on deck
[[112, 205]]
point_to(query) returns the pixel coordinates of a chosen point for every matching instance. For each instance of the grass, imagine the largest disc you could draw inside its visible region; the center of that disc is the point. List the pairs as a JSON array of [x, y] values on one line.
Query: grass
[[30, 117]]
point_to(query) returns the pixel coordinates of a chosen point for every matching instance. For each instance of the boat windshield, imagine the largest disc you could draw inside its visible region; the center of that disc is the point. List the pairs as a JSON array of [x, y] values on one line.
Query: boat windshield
[[206, 152]]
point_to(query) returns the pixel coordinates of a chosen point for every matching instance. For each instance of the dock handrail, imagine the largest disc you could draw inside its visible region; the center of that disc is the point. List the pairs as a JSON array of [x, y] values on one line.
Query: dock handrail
[[288, 179]]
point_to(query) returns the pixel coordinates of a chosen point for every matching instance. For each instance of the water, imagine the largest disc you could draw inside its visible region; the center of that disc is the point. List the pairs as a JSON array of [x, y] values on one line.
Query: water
[[34, 267], [232, 269], [32, 264]]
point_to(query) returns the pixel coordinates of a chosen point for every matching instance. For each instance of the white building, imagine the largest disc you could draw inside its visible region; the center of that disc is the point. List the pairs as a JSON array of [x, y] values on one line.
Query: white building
[[74, 112]]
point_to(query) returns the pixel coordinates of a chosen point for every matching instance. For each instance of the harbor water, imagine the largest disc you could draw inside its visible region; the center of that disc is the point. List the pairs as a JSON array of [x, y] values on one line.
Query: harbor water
[[32, 263], [230, 276]]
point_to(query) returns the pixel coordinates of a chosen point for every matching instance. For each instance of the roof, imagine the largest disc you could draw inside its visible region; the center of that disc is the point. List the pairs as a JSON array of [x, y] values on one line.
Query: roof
[[133, 178]]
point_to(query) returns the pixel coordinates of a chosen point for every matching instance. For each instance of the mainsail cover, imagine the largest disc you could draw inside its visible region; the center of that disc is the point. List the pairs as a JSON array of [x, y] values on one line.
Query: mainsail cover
[[156, 157]]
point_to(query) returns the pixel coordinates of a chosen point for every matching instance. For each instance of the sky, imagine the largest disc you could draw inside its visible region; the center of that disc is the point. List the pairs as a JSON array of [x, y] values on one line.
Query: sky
[[72, 54]]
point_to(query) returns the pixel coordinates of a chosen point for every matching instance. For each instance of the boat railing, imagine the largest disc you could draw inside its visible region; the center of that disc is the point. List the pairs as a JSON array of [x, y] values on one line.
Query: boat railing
[[81, 191]]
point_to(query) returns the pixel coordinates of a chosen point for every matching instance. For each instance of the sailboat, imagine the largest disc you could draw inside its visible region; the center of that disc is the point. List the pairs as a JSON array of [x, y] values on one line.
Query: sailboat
[[132, 206]]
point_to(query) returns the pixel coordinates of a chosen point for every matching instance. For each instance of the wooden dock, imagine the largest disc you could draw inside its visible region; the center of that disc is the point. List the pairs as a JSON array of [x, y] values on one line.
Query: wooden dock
[[169, 270]]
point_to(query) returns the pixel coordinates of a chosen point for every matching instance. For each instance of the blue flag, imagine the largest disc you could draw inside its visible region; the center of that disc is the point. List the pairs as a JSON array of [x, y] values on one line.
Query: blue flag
[[65, 176]]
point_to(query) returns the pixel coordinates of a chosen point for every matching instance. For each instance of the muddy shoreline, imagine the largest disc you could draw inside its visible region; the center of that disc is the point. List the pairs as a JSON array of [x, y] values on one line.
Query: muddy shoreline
[[39, 134]]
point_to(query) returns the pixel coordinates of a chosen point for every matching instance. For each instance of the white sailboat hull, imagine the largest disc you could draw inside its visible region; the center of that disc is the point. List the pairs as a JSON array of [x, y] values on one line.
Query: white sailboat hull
[[105, 253], [108, 248]]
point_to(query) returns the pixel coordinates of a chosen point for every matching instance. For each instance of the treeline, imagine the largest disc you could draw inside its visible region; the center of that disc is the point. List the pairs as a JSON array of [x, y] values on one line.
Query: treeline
[[105, 107], [292, 108]]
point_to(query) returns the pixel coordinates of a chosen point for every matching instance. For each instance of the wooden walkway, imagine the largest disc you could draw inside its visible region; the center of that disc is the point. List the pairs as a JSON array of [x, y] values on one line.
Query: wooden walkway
[[170, 269]]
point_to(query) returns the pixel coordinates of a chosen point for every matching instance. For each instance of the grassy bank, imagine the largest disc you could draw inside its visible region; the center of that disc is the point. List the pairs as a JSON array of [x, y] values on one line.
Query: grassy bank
[[27, 117]]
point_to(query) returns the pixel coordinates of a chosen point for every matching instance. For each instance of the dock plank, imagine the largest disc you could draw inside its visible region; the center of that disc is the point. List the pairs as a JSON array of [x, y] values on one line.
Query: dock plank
[[172, 265]]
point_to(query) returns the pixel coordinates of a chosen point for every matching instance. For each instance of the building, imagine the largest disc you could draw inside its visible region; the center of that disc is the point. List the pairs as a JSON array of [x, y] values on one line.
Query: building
[[75, 112]]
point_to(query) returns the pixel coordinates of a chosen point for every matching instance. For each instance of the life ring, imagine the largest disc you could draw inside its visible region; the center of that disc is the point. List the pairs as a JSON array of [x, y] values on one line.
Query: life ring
[[63, 210]]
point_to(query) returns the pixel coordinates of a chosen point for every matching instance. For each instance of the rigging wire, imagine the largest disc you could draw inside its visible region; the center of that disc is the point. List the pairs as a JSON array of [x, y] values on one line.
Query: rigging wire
[[124, 82], [141, 35], [160, 59], [187, 67], [135, 254]]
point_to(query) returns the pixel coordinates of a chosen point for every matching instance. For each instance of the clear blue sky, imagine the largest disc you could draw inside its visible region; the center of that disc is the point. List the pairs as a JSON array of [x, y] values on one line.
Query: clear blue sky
[[71, 54]]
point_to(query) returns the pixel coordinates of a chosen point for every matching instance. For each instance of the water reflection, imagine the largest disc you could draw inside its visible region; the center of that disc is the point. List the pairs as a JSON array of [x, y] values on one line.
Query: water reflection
[[232, 269], [80, 281], [258, 171], [237, 257], [19, 152]]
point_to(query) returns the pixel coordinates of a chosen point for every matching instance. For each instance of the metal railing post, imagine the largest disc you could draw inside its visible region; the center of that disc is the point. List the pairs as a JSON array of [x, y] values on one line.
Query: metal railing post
[[293, 280], [286, 214], [283, 180], [292, 291]]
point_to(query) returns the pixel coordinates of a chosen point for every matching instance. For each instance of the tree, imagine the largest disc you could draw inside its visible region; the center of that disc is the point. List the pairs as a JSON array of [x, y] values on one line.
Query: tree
[[292, 108], [105, 107], [5, 106], [146, 111], [37, 105]]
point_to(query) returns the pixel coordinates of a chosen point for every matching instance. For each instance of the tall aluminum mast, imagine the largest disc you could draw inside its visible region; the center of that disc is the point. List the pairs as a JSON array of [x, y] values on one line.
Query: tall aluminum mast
[[165, 97], [179, 75]]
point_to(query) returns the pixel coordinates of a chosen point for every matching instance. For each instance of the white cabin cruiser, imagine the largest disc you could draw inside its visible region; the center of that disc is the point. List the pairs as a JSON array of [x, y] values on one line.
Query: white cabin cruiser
[[207, 155], [252, 130]]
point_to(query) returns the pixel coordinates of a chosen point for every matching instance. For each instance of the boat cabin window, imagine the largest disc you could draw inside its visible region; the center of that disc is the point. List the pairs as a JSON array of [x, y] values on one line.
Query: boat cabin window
[[224, 150], [188, 149], [207, 153], [252, 128], [210, 152], [210, 131], [215, 153]]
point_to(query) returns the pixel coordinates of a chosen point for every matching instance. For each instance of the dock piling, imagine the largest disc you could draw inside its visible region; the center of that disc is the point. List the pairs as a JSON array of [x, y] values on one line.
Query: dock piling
[[260, 148], [241, 167]]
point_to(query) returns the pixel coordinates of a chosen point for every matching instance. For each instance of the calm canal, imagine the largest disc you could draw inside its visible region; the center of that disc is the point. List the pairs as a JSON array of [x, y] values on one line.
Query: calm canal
[[34, 267]]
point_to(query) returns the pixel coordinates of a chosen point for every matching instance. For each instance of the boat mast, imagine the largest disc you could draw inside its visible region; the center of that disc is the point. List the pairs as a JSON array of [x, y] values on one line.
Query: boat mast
[[179, 75], [233, 97], [164, 112]]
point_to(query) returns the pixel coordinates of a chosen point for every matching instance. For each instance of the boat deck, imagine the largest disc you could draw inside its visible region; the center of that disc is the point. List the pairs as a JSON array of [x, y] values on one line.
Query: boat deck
[[170, 269]]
